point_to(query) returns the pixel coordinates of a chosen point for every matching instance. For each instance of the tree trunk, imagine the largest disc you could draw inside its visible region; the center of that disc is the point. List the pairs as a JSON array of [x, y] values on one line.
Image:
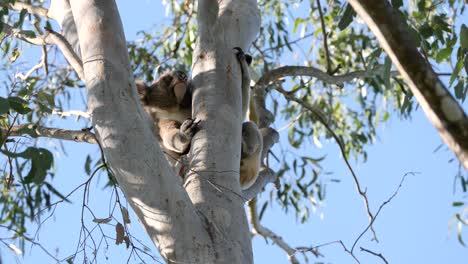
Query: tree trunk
[[213, 182], [205, 222]]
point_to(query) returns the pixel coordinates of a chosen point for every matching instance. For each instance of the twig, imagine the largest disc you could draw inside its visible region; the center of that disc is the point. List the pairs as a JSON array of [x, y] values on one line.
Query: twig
[[380, 208], [76, 113], [375, 254], [292, 122], [257, 228], [320, 117], [57, 133], [325, 37], [50, 38], [288, 43], [312, 249]]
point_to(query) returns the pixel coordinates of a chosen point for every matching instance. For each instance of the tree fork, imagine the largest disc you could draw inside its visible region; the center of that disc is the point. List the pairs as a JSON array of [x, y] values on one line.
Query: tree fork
[[122, 128]]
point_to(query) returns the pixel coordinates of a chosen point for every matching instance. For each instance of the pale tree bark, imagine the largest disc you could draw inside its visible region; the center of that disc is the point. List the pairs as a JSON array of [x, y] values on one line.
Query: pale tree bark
[[438, 104], [213, 182], [143, 174], [206, 221]]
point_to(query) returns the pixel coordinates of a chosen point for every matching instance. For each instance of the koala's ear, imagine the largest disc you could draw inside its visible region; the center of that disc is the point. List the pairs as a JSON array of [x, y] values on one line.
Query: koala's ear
[[141, 88]]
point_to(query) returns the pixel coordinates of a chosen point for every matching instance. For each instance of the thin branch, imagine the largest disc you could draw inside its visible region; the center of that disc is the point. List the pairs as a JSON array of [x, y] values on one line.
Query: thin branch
[[380, 208], [288, 43], [23, 77], [257, 228], [57, 133], [315, 248], [67, 51], [325, 38], [72, 113], [292, 71], [320, 117], [50, 38], [375, 254], [35, 10]]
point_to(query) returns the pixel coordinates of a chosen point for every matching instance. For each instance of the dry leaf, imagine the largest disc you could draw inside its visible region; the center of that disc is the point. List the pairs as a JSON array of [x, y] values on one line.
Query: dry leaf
[[102, 220], [119, 231], [125, 216]]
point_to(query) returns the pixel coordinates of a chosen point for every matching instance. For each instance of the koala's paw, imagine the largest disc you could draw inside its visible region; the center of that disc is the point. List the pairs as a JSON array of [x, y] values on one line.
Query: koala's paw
[[189, 127]]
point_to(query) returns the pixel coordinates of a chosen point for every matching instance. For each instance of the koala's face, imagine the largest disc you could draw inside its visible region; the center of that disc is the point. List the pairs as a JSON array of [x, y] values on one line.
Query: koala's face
[[179, 85], [167, 93]]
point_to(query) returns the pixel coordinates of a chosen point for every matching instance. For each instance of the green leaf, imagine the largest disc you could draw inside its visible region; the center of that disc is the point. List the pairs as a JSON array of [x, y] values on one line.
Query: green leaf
[[88, 165], [457, 204], [41, 162], [386, 116], [386, 74], [459, 90], [443, 54], [21, 18], [297, 22], [56, 192], [14, 55], [28, 33], [397, 3], [464, 37], [4, 106], [347, 17], [262, 211], [19, 105], [456, 71]]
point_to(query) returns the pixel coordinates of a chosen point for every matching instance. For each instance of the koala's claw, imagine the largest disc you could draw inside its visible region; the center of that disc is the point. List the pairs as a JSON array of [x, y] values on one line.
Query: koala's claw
[[189, 127]]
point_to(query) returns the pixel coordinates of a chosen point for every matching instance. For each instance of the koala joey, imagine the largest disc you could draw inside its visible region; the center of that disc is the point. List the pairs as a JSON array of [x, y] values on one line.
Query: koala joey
[[169, 103], [252, 140]]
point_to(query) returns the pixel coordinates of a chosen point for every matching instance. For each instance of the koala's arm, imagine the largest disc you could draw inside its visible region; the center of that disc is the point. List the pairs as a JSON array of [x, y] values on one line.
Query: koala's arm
[[245, 86], [251, 152], [175, 136]]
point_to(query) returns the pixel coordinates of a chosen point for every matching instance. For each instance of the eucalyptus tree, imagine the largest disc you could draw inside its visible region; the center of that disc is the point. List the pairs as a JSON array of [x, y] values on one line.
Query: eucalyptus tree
[[202, 220]]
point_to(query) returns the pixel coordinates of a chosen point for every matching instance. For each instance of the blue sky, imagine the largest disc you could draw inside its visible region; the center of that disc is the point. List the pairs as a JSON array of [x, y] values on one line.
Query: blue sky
[[413, 228]]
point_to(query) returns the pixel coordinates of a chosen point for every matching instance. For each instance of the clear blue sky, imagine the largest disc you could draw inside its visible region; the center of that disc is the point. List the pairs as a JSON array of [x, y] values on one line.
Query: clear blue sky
[[413, 228]]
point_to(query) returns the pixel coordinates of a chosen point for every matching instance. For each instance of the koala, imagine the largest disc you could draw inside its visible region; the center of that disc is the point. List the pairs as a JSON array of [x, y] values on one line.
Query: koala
[[168, 101], [252, 140]]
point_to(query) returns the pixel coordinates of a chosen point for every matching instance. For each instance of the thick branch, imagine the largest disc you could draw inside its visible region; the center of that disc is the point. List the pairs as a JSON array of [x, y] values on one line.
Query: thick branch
[[35, 10], [57, 133], [438, 104], [67, 51], [258, 228]]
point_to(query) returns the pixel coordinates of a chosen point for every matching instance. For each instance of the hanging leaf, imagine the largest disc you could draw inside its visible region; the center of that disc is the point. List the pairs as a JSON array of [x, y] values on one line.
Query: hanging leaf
[[4, 106], [119, 233], [347, 17], [125, 216]]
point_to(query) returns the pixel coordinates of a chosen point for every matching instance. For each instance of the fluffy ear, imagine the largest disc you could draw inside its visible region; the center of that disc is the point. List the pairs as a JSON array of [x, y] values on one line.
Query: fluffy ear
[[141, 88]]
